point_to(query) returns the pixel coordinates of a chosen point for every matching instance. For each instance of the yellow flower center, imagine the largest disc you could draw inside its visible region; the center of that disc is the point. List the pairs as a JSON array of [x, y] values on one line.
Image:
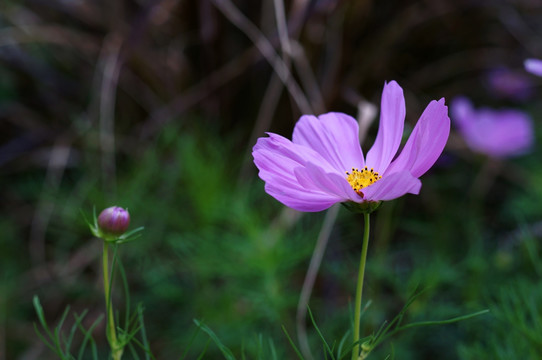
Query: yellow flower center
[[360, 179]]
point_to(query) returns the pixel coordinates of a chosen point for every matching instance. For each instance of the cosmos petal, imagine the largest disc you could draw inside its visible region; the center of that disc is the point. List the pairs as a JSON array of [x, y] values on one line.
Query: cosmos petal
[[277, 159], [292, 193], [334, 136], [426, 142], [534, 66], [462, 110], [390, 128], [331, 183], [301, 201], [497, 133], [509, 133], [299, 154], [392, 187]]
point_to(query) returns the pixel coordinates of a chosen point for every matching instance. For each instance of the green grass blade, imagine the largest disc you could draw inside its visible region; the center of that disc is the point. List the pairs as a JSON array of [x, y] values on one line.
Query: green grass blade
[[190, 342], [225, 351], [320, 334], [272, 349], [341, 345], [148, 353], [200, 357], [292, 343], [433, 322]]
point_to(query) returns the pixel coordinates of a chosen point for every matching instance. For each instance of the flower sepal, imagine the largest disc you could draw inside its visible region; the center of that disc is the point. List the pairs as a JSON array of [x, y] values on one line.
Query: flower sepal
[[124, 238], [365, 207]]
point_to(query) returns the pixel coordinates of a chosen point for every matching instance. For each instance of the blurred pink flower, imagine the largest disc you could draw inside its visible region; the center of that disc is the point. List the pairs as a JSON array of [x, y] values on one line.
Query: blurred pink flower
[[324, 163], [534, 66], [497, 133], [509, 84]]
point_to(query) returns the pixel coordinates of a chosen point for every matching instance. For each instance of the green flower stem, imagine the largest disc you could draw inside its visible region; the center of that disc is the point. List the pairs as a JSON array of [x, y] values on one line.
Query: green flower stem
[[116, 349], [359, 289]]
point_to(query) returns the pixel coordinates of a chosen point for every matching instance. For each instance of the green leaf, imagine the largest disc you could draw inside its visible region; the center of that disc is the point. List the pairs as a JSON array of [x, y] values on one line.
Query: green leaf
[[225, 351], [292, 343], [88, 335], [190, 342], [327, 348]]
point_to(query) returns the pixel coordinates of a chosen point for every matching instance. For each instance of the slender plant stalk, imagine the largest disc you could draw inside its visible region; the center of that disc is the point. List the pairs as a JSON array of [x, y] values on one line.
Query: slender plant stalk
[[116, 349], [359, 289]]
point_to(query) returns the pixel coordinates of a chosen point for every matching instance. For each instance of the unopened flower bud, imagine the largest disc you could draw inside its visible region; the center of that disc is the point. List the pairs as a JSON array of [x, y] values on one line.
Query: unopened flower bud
[[114, 221]]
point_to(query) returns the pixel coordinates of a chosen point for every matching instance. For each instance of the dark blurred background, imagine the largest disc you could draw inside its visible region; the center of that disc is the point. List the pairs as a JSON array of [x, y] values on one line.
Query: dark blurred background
[[155, 106]]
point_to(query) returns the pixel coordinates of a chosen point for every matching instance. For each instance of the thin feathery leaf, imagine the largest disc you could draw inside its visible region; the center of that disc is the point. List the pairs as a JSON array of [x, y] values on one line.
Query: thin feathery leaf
[[133, 351], [88, 335], [292, 343], [327, 348], [273, 350], [433, 322], [55, 339], [131, 232], [43, 339], [190, 342], [341, 346], [384, 330], [73, 329], [204, 349], [41, 315], [146, 350], [58, 330], [125, 287], [94, 350], [148, 353], [225, 351]]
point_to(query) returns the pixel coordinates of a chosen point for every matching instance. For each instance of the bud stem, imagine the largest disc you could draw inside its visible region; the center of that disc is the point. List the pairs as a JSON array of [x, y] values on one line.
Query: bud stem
[[116, 349], [359, 289]]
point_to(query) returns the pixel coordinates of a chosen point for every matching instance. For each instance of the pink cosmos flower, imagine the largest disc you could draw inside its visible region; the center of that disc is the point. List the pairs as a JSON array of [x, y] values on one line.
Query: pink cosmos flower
[[324, 163], [497, 133], [534, 66]]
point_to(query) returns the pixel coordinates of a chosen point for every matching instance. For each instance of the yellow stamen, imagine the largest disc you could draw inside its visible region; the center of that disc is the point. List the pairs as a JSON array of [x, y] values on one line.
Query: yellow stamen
[[360, 179]]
